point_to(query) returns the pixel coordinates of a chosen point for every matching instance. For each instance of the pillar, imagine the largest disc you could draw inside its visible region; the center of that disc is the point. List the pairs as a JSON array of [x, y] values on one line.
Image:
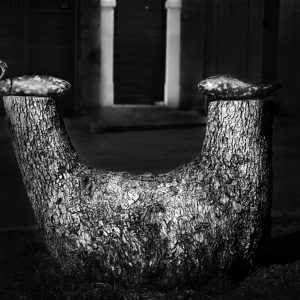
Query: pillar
[[172, 75], [107, 52]]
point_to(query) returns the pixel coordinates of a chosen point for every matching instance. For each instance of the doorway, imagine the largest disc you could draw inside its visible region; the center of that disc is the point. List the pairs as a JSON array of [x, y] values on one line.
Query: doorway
[[139, 51]]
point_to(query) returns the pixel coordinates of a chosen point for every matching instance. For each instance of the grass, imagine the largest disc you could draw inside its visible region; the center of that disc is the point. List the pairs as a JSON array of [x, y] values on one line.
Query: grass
[[28, 272]]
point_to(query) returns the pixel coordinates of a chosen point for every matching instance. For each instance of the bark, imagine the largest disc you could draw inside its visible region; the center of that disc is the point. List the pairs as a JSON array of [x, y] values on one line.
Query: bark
[[180, 228]]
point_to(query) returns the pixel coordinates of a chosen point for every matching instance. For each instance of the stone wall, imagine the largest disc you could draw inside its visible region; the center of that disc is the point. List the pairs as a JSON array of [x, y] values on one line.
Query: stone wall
[[193, 43], [220, 37], [88, 54], [288, 63]]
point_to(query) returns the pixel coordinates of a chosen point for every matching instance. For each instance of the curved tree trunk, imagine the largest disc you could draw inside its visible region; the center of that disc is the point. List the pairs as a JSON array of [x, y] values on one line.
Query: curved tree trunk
[[201, 220]]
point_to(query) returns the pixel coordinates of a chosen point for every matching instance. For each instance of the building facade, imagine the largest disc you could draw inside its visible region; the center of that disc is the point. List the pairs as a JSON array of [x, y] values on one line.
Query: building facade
[[157, 51], [148, 52]]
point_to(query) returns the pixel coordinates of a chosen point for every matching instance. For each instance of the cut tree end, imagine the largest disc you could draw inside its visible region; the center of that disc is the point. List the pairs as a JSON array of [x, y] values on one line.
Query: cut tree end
[[224, 87], [32, 85], [36, 85]]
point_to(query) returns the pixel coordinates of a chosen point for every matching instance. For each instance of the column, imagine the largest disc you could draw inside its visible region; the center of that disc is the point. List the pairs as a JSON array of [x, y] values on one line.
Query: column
[[172, 75], [107, 52]]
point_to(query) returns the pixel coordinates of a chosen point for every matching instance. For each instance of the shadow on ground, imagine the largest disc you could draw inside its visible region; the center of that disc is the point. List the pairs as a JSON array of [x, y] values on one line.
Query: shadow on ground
[[285, 249], [28, 272]]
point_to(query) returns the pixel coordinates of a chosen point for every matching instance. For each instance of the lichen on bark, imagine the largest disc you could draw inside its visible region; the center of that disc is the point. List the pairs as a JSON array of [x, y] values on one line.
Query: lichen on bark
[[196, 222]]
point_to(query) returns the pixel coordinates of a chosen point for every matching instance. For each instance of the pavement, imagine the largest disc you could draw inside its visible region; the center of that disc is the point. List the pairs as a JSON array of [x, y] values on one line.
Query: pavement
[[141, 117], [140, 151]]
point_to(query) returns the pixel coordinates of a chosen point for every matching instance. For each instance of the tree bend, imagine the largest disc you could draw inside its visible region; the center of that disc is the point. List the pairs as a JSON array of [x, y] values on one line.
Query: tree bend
[[179, 228]]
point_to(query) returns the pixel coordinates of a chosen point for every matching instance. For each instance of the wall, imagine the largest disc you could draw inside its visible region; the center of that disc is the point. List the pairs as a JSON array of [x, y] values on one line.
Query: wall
[[235, 37], [289, 57], [193, 43], [220, 37], [37, 37], [88, 55]]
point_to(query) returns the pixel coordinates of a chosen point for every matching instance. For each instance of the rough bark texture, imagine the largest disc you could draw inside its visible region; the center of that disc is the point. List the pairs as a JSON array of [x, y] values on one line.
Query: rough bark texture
[[179, 228]]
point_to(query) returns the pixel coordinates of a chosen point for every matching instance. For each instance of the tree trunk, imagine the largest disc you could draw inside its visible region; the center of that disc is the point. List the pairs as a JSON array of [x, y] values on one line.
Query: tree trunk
[[180, 228]]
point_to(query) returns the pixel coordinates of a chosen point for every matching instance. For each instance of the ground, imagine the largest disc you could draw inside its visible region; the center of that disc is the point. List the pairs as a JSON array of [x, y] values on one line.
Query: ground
[[28, 272]]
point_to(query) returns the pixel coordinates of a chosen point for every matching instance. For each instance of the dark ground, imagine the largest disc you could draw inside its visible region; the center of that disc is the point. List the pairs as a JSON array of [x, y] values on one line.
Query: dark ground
[[28, 272], [26, 269]]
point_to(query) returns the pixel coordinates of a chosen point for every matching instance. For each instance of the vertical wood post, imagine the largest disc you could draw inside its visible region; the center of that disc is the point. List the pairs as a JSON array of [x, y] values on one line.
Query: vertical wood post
[[107, 52], [172, 75]]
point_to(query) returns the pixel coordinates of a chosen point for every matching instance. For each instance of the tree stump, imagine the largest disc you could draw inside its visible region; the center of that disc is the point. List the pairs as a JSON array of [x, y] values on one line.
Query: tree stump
[[199, 221]]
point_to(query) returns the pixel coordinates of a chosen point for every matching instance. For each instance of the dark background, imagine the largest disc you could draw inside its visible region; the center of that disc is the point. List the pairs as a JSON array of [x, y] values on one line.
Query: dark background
[[256, 40]]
